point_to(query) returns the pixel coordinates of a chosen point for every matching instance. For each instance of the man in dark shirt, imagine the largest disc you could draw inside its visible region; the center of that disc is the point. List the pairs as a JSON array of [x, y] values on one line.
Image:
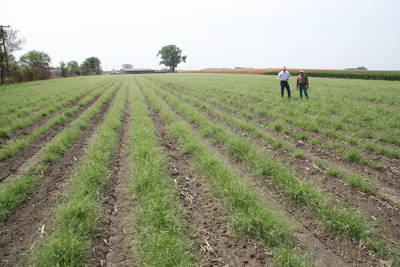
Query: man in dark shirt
[[302, 84]]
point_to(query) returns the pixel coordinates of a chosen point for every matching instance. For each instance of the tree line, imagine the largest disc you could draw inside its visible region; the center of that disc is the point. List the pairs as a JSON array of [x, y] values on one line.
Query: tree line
[[35, 65]]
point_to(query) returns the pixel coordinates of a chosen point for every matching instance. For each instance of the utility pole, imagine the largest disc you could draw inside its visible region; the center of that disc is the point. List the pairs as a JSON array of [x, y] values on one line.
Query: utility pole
[[3, 52]]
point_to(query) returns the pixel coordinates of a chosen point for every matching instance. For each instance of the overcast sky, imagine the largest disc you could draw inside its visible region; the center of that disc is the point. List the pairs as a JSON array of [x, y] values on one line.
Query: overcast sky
[[212, 33]]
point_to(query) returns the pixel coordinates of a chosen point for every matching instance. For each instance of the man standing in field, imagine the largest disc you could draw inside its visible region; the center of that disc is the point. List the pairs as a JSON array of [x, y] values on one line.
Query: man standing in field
[[302, 84], [284, 77]]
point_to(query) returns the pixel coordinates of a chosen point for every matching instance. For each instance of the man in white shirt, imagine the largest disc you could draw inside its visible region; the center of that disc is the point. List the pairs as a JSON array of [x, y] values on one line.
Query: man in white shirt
[[284, 77]]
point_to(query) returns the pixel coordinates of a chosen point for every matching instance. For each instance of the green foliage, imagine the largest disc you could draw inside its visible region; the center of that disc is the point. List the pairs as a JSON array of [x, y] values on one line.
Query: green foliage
[[13, 193], [36, 64], [73, 68], [160, 238], [79, 216], [91, 65], [285, 258], [171, 56], [344, 221], [359, 183], [250, 216], [353, 155]]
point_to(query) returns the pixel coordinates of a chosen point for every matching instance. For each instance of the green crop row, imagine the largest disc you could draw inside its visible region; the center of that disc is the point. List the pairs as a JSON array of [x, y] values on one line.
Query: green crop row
[[322, 117], [78, 217], [14, 192], [344, 221], [161, 239], [255, 131], [19, 144], [250, 216], [19, 117]]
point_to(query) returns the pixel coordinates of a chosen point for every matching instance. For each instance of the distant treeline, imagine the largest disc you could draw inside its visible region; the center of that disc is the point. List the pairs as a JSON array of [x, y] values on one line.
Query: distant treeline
[[35, 65], [367, 75]]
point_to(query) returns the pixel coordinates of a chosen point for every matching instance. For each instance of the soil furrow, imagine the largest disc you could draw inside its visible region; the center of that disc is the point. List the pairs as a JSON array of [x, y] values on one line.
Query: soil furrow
[[15, 164], [25, 227], [112, 245], [351, 251], [205, 214], [384, 216]]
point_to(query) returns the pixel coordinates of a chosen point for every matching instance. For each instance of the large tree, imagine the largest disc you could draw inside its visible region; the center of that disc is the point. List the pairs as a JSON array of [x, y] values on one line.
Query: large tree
[[63, 69], [73, 68], [36, 64], [127, 66], [171, 56], [91, 65], [9, 43]]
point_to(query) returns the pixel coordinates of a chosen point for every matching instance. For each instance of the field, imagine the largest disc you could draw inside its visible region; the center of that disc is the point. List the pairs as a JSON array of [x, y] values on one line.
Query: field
[[199, 170], [348, 74]]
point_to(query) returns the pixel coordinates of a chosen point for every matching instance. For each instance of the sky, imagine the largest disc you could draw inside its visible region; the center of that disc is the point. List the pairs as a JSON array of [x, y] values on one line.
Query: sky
[[322, 34]]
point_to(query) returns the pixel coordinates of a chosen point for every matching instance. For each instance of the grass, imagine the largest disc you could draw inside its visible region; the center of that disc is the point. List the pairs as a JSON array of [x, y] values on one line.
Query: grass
[[16, 146], [78, 217], [278, 143], [251, 217], [21, 106], [13, 193], [161, 239], [343, 221], [246, 94]]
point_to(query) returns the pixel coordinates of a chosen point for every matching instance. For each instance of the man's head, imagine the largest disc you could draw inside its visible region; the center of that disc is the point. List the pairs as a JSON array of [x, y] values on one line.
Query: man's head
[[301, 72], [284, 69]]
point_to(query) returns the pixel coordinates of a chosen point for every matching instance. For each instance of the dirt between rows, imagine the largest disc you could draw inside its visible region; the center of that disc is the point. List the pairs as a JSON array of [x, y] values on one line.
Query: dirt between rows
[[24, 229], [389, 176], [207, 218], [28, 129], [382, 214], [352, 252], [11, 164], [113, 242]]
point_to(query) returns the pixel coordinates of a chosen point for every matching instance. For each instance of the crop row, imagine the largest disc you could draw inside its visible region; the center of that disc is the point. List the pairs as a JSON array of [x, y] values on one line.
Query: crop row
[[28, 106], [17, 145], [14, 192], [302, 120], [79, 215], [342, 220]]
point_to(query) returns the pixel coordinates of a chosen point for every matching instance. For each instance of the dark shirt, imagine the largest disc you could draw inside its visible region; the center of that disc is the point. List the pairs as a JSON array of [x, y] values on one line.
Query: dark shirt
[[302, 80]]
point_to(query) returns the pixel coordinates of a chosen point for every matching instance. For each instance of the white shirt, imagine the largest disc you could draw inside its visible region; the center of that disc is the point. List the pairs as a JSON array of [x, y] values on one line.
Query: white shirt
[[283, 75]]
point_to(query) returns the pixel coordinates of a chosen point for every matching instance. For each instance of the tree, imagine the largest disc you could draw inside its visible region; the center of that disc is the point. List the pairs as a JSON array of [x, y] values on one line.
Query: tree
[[36, 64], [63, 69], [171, 56], [91, 65], [9, 43], [73, 68], [127, 66]]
